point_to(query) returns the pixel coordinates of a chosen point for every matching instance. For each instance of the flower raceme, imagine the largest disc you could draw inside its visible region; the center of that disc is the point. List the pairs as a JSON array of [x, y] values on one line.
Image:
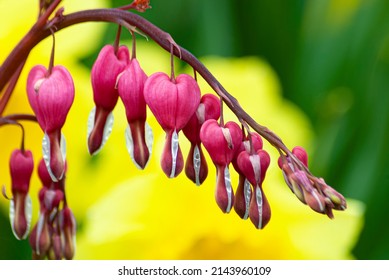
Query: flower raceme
[[53, 236], [177, 105], [310, 190], [51, 94]]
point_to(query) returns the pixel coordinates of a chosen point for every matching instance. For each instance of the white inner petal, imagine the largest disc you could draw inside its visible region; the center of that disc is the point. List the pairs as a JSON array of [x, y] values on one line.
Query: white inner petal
[[247, 197], [107, 128], [28, 214], [200, 113], [227, 180], [197, 164], [47, 157], [259, 201], [256, 163], [228, 137], [174, 152], [149, 138]]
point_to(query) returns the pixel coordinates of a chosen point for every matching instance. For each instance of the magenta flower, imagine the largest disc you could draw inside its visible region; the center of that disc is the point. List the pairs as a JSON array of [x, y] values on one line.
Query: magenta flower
[[253, 166], [109, 64], [51, 95], [173, 102], [222, 142], [244, 190], [21, 166], [139, 137], [196, 168]]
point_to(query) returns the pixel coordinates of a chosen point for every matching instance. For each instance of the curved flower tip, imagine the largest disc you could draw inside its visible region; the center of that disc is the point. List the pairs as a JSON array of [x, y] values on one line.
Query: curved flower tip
[[67, 225], [54, 154], [173, 103], [20, 212]]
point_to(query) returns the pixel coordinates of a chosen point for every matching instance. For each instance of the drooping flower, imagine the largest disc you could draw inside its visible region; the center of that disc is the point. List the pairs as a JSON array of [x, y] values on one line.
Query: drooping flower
[[252, 142], [67, 227], [139, 137], [108, 65], [222, 142], [173, 102], [253, 165], [21, 166], [196, 168], [51, 94]]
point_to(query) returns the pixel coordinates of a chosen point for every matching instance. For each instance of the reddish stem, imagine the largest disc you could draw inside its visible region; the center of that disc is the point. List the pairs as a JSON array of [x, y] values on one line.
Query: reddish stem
[[36, 34]]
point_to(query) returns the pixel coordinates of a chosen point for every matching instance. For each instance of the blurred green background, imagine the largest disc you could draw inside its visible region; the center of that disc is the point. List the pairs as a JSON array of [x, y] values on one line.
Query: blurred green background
[[332, 58]]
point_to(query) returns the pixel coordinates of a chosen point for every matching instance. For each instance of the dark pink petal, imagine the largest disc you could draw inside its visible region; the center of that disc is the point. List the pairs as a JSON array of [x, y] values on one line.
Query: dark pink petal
[[220, 142], [105, 71], [172, 102], [130, 87]]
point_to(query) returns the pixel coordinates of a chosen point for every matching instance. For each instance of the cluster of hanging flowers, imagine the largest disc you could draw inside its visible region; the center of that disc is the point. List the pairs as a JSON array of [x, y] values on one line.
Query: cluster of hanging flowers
[[178, 105]]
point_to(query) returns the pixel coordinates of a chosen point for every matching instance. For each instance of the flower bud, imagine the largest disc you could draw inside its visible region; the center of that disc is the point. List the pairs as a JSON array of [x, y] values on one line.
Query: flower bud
[[40, 237], [67, 225], [311, 196], [196, 168], [130, 86], [221, 143], [21, 168], [109, 64], [173, 102]]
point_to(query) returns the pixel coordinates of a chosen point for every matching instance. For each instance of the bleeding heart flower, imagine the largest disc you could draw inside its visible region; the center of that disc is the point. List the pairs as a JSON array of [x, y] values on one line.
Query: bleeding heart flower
[[196, 167], [21, 167], [221, 142], [173, 102], [51, 94], [139, 137], [109, 64], [254, 166], [244, 190]]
